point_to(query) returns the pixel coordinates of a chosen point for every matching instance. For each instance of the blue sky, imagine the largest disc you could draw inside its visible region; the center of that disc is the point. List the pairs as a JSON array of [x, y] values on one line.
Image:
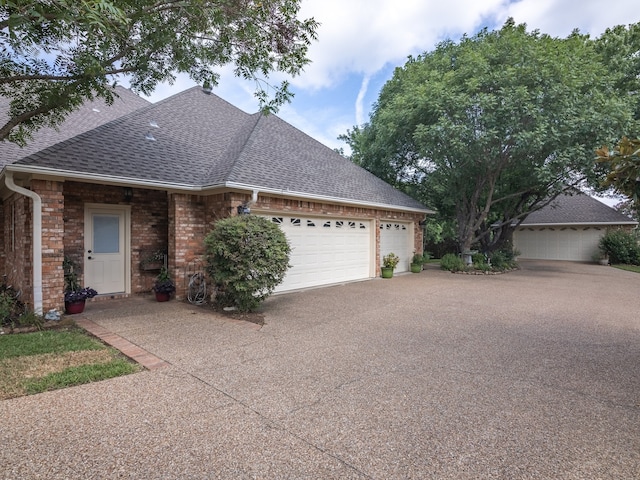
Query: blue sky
[[360, 42]]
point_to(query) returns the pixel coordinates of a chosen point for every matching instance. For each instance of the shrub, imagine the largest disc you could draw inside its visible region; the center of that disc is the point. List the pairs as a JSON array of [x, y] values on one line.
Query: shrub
[[247, 257], [621, 247], [451, 262], [478, 259], [504, 258]]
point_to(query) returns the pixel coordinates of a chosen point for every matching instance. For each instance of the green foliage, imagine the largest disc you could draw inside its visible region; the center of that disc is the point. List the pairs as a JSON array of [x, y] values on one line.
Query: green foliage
[[452, 262], [623, 165], [54, 55], [478, 259], [13, 313], [504, 258], [488, 129], [420, 259], [163, 282], [621, 247], [248, 257], [390, 260]]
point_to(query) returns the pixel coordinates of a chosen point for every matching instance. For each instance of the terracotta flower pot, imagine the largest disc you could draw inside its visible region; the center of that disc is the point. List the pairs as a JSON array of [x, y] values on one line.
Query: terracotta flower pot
[[72, 308], [163, 296]]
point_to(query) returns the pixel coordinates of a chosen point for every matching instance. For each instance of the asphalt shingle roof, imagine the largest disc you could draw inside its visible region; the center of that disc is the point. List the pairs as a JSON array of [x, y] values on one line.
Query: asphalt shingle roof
[[577, 209], [202, 140], [87, 117]]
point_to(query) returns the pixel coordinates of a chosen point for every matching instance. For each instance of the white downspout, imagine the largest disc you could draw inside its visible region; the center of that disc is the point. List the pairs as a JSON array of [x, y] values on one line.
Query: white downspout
[[37, 238]]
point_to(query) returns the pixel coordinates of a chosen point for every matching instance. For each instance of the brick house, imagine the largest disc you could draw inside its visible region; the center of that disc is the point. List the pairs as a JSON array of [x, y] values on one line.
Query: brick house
[[156, 178]]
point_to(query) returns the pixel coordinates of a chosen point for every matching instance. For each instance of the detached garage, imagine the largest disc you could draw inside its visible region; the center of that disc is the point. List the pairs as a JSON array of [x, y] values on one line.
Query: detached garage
[[570, 228]]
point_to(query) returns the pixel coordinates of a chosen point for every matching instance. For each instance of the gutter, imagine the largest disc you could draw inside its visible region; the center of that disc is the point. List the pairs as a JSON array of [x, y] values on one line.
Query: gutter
[[37, 238], [203, 189]]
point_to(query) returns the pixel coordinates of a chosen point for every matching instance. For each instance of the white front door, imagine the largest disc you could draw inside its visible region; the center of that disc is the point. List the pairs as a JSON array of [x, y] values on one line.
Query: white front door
[[106, 248]]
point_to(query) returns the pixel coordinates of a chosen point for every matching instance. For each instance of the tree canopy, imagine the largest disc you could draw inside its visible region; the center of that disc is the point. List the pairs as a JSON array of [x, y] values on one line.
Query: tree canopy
[[55, 54], [493, 127], [623, 164]]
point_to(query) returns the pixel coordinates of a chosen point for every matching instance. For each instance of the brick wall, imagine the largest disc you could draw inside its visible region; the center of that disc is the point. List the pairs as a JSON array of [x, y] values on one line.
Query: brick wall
[[17, 235], [187, 229], [149, 226], [52, 242]]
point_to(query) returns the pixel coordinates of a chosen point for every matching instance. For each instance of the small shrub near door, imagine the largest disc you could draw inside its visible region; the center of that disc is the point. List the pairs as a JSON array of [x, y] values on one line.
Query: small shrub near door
[[247, 257]]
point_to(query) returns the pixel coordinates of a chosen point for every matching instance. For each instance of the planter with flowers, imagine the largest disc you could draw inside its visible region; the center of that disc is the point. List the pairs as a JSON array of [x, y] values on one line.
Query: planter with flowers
[[164, 286], [74, 296], [389, 263]]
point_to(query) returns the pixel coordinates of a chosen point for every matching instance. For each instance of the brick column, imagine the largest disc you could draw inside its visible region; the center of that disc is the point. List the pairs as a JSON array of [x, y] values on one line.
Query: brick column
[[186, 236], [52, 243]]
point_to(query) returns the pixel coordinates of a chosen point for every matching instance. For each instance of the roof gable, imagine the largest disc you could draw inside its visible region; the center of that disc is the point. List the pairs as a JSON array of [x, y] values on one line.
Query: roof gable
[[577, 209]]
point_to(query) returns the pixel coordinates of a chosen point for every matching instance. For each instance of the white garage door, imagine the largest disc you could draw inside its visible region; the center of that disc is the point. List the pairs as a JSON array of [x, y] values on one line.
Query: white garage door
[[397, 237], [558, 243], [325, 251]]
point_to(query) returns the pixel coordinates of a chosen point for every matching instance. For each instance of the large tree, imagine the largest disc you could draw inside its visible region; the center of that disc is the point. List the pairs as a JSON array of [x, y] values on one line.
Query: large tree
[[623, 175], [493, 127], [55, 54]]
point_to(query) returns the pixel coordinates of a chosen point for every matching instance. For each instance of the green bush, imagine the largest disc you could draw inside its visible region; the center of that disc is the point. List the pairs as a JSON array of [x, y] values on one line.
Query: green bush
[[478, 259], [504, 258], [621, 247], [451, 262], [247, 257]]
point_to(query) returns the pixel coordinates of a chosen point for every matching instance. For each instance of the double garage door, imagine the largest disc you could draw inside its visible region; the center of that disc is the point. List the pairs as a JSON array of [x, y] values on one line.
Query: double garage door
[[558, 243], [325, 251]]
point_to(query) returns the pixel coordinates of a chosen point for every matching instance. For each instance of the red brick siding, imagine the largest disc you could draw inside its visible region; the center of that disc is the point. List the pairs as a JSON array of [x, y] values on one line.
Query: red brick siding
[[187, 229], [17, 245], [52, 242], [149, 227]]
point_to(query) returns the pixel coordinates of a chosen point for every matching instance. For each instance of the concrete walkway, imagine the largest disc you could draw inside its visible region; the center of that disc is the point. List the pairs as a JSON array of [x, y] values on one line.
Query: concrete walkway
[[533, 374]]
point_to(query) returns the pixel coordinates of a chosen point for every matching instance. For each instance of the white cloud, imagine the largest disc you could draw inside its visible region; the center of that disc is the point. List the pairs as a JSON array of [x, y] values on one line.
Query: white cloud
[[364, 35], [359, 101], [560, 17]]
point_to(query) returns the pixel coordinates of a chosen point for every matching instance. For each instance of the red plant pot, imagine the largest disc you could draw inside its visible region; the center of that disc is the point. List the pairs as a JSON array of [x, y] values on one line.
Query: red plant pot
[[163, 296], [72, 308]]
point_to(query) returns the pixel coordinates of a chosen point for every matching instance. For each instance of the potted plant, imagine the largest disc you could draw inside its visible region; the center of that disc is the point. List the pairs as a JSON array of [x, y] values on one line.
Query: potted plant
[[416, 263], [74, 296], [389, 262], [163, 286]]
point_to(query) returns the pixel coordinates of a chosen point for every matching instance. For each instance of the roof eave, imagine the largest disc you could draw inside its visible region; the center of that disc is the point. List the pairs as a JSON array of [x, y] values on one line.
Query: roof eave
[[117, 180], [565, 224]]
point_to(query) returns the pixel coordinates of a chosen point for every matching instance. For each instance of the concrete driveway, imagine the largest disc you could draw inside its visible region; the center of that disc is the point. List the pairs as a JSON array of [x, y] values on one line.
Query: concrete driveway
[[533, 374]]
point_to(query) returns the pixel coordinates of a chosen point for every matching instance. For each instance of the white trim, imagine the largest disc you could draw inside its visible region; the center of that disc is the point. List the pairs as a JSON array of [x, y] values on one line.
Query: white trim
[[114, 180], [526, 225]]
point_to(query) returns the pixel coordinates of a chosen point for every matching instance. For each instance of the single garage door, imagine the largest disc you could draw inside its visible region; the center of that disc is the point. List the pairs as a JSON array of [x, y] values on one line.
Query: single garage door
[[397, 237], [325, 251], [558, 243]]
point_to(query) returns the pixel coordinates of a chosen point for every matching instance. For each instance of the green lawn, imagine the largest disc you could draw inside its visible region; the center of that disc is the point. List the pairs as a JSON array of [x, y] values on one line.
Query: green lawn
[[630, 268], [48, 360]]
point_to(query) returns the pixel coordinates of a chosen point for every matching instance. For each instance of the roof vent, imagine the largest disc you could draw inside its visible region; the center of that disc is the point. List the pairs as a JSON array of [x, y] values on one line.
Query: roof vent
[[96, 110], [153, 124], [149, 136]]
